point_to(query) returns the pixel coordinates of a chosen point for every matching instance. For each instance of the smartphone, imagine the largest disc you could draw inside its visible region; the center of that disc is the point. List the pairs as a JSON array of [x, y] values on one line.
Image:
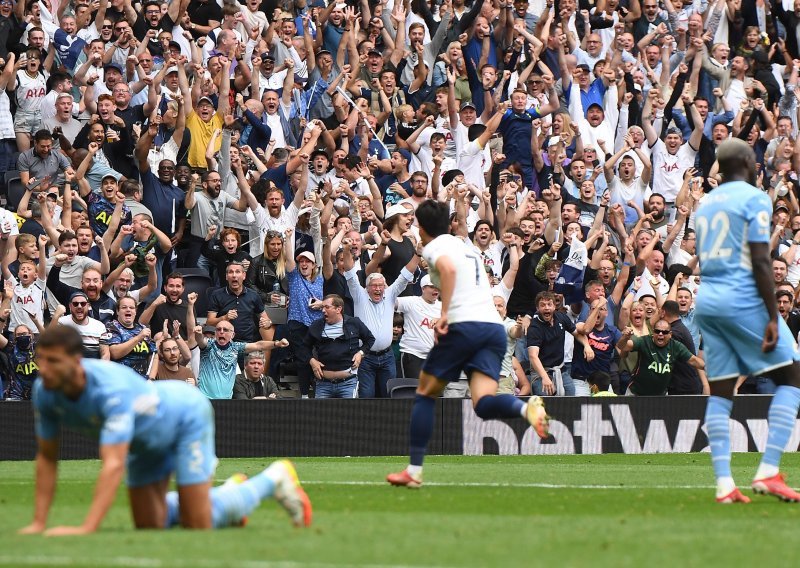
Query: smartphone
[[34, 185], [595, 163]]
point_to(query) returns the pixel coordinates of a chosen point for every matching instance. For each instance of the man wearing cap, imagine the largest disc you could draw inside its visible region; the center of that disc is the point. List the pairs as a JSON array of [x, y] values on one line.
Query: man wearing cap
[[420, 314], [338, 343], [672, 156], [202, 119], [375, 307]]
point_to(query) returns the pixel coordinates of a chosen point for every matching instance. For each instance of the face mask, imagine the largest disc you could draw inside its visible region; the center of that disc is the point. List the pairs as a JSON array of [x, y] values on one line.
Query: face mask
[[23, 342]]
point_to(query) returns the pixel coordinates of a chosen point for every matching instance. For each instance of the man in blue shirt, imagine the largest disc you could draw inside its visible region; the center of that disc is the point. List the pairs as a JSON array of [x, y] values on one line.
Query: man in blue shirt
[[515, 127], [742, 331], [158, 428]]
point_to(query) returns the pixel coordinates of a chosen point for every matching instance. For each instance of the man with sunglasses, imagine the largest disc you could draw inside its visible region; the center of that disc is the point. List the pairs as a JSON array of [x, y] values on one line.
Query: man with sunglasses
[[658, 354], [92, 331]]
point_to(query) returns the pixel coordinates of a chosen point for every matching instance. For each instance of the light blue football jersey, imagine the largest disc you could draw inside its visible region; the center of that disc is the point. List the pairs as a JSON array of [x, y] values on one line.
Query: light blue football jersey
[[119, 406], [730, 217]]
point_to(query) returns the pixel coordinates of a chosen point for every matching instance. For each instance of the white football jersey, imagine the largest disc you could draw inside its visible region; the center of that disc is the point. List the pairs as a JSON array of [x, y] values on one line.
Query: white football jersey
[[472, 295]]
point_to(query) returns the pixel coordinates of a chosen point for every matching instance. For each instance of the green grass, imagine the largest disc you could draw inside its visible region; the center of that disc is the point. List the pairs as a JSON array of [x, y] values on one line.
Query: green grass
[[474, 511]]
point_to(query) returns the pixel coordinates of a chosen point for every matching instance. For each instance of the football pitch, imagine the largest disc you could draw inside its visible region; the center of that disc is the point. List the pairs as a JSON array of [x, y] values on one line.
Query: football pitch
[[610, 510]]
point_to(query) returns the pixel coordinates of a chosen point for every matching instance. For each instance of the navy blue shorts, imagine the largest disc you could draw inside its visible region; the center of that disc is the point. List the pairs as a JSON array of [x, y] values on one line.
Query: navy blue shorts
[[468, 346]]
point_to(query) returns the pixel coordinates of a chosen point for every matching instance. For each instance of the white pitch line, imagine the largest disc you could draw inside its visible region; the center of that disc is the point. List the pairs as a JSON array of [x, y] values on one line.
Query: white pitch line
[[144, 562], [511, 485], [452, 484]]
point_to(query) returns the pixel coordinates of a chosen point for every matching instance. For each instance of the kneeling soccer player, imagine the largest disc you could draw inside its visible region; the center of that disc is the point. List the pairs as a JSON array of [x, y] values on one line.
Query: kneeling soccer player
[[159, 428], [470, 337], [738, 316]]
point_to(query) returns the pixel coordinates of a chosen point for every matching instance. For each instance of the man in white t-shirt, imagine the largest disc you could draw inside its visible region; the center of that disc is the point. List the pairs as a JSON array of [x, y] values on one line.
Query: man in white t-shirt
[[672, 157], [626, 186], [471, 338], [472, 157], [513, 333], [420, 315], [92, 331]]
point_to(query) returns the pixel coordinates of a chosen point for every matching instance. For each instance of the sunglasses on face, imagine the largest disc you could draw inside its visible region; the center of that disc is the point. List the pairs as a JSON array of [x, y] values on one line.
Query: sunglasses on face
[[661, 331], [79, 304]]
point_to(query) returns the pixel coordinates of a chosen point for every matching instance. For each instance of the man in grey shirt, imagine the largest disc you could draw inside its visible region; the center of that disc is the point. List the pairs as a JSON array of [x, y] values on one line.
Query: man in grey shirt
[[41, 161]]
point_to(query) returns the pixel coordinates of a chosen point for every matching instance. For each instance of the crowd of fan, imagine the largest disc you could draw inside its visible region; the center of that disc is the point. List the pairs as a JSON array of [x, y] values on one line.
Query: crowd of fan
[[277, 150]]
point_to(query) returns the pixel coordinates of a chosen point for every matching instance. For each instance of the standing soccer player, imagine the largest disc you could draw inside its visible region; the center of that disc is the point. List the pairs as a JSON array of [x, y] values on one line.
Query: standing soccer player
[[470, 338], [159, 428], [739, 320]]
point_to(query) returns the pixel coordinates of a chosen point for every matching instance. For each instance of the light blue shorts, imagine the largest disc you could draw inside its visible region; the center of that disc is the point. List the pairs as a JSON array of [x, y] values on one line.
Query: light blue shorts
[[733, 345], [191, 457]]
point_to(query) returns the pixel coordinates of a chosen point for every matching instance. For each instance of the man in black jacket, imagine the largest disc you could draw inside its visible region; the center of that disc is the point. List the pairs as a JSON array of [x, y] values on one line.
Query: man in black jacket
[[253, 383], [338, 343]]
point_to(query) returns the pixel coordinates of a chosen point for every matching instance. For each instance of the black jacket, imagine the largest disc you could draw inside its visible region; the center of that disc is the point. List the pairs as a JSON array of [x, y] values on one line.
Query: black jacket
[[337, 354]]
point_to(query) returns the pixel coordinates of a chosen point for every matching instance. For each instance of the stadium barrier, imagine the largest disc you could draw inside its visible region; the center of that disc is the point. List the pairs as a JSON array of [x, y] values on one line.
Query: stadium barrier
[[380, 428]]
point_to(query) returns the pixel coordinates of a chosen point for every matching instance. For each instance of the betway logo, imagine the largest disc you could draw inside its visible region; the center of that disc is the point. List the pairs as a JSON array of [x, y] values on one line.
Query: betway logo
[[592, 428]]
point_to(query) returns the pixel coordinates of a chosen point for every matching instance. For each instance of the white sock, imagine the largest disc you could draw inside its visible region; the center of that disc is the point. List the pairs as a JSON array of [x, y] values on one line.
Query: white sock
[[724, 486], [524, 411], [764, 471], [414, 470]]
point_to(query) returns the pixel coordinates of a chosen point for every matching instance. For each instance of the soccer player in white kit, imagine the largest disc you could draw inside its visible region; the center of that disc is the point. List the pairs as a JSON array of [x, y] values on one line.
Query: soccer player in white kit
[[470, 338]]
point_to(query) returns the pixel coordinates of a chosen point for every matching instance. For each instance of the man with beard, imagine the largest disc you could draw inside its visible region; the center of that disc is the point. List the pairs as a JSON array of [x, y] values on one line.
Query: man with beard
[[109, 134], [101, 305], [271, 216], [786, 310], [160, 195], [73, 265], [167, 365], [208, 209], [118, 283], [169, 307], [152, 18], [91, 330], [143, 239], [490, 252], [656, 207]]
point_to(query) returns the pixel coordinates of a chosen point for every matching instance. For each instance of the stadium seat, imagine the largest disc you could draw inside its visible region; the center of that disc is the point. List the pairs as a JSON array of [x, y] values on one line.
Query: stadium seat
[[402, 387], [15, 190], [200, 283], [192, 271]]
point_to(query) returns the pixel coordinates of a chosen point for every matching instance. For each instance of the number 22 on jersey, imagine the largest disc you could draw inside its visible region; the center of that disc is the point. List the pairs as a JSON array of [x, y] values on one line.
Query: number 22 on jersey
[[719, 226]]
